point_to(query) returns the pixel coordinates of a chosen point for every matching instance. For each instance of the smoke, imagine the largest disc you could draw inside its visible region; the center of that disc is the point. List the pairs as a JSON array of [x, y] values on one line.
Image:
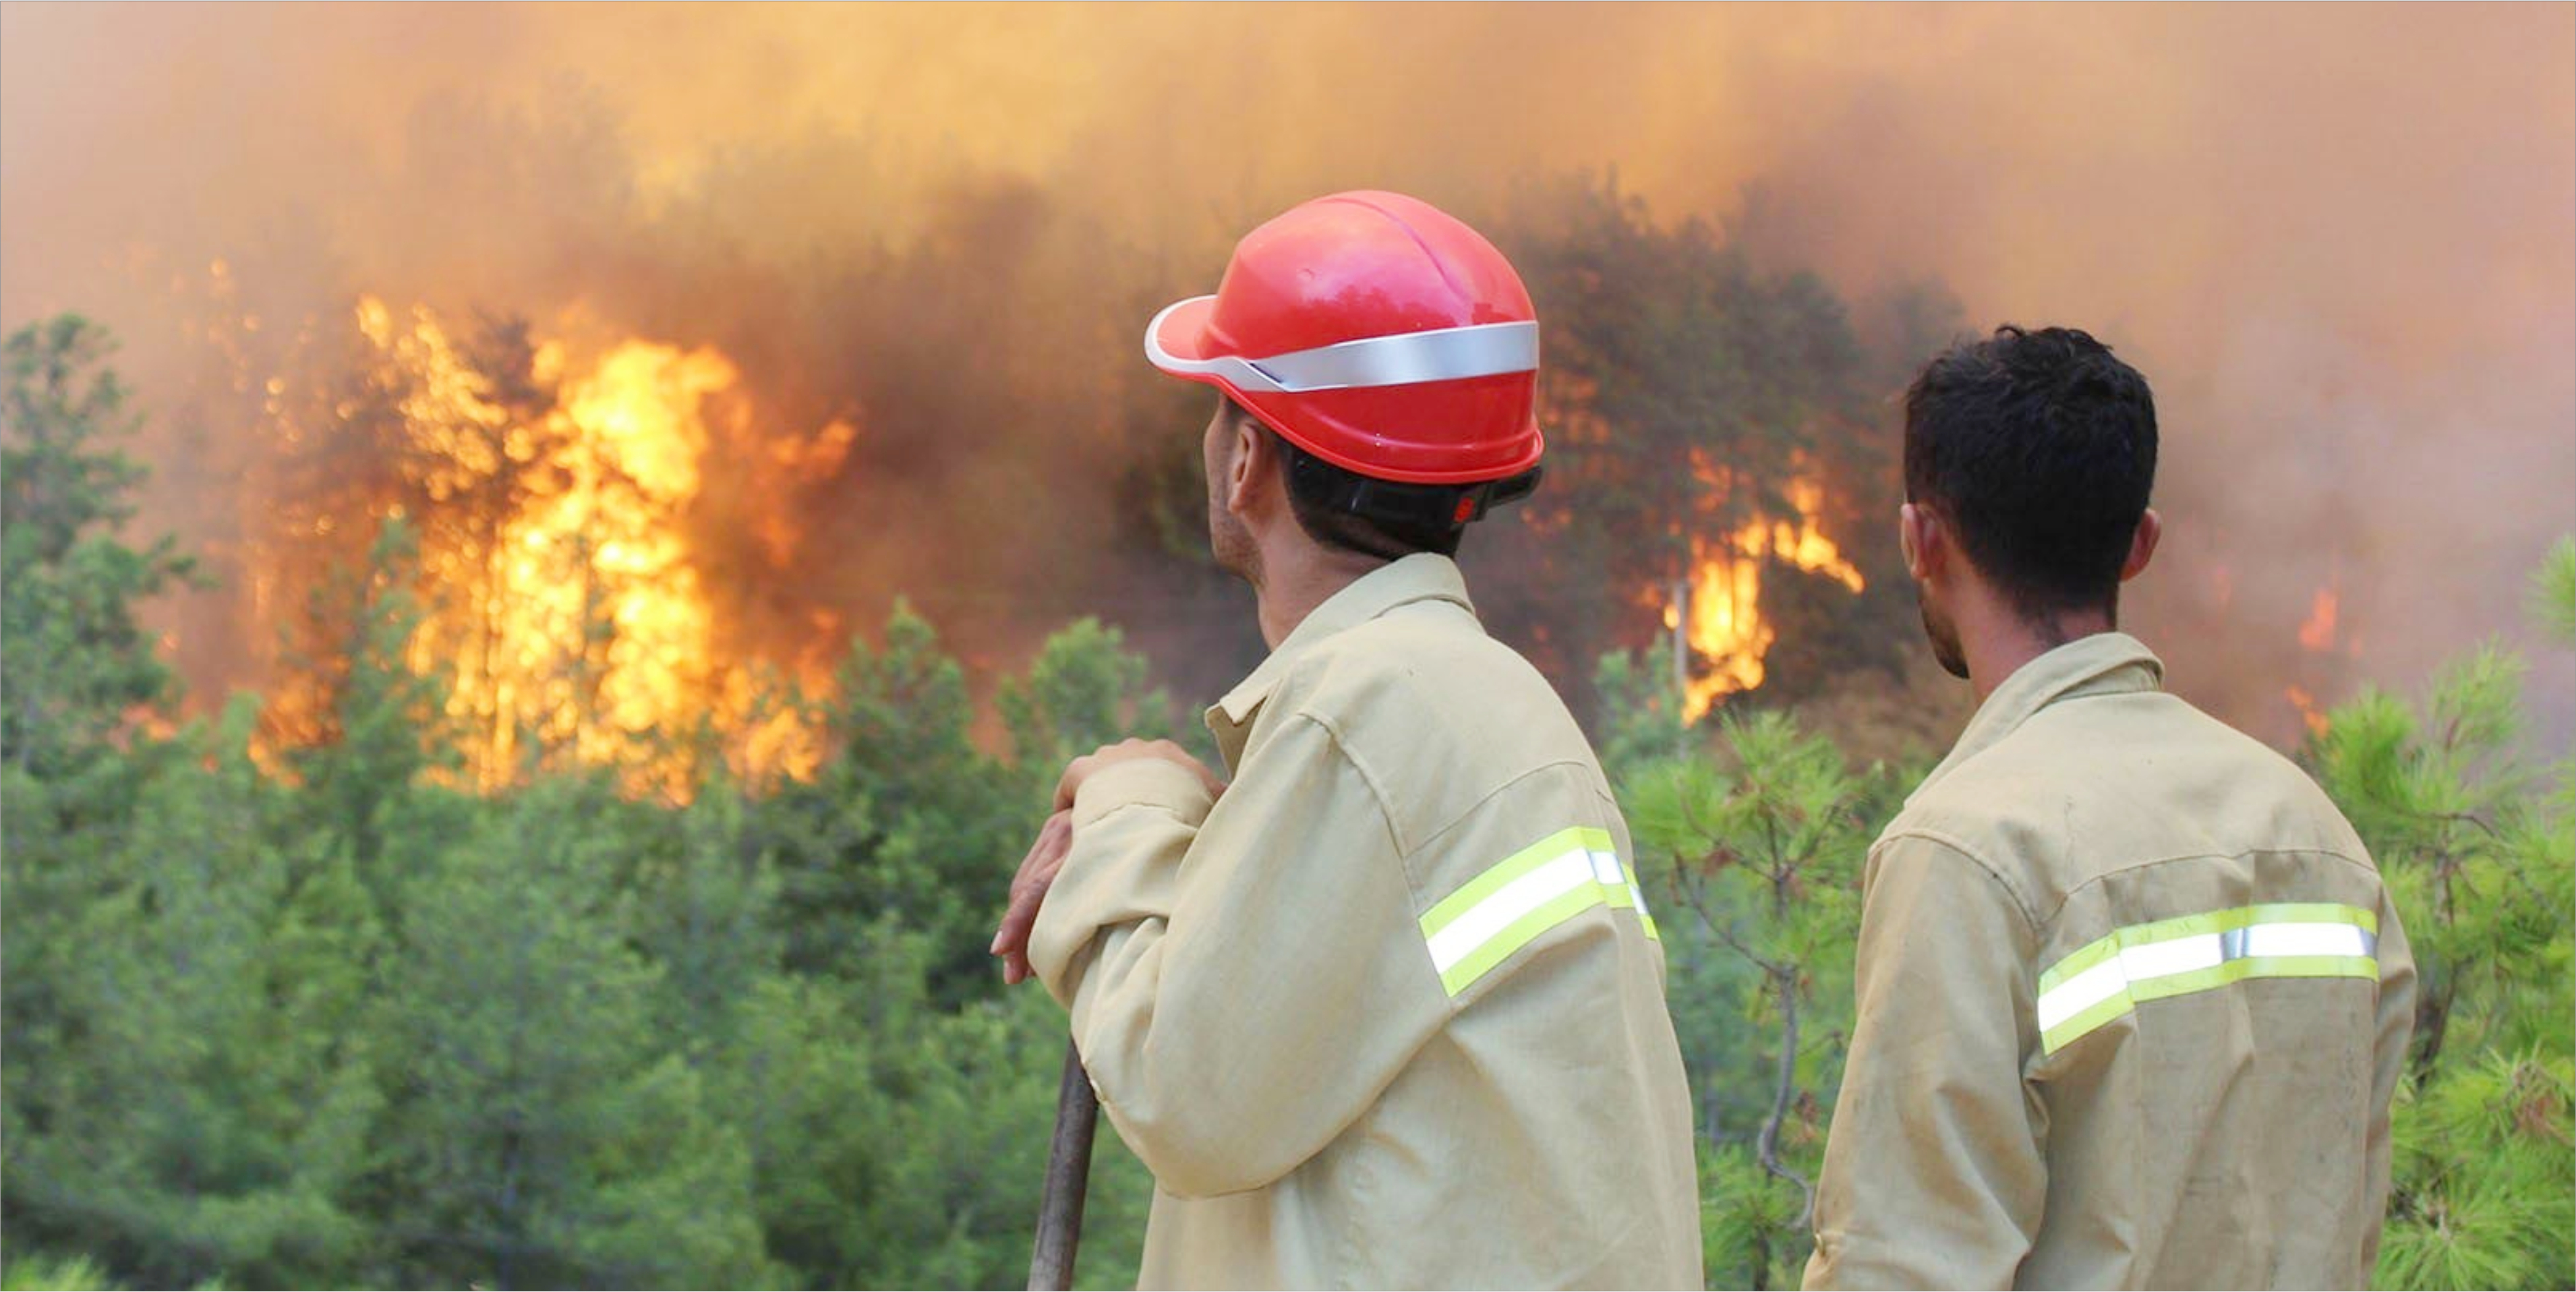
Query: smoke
[[2340, 242]]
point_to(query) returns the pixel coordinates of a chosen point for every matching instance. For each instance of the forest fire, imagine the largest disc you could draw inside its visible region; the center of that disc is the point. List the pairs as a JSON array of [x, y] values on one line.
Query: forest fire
[[550, 491], [958, 264], [1722, 598]]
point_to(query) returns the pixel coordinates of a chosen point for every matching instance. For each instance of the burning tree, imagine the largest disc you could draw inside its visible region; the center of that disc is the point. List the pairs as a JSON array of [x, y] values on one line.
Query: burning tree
[[552, 496], [1711, 433], [362, 1026]]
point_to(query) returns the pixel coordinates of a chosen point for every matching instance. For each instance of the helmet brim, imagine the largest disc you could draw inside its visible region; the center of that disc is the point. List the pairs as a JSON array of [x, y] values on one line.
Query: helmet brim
[[1180, 332]]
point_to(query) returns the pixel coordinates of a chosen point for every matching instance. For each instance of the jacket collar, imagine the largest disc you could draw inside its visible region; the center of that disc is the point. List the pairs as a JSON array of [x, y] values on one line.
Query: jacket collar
[[1423, 576], [2102, 664]]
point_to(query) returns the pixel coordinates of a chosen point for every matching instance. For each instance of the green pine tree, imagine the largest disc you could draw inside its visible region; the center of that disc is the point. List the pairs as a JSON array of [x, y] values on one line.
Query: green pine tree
[[1758, 852], [2477, 840], [906, 818], [80, 665], [544, 1130], [201, 1110]]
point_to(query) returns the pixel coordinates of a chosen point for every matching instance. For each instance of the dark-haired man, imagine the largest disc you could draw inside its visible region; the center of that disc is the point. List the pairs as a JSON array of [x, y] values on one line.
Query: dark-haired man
[[2132, 999], [1388, 1010]]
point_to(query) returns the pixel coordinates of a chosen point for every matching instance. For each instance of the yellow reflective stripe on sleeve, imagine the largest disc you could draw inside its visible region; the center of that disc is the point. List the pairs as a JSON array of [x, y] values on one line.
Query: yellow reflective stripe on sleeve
[[2107, 978], [1606, 870], [1618, 882], [1524, 895]]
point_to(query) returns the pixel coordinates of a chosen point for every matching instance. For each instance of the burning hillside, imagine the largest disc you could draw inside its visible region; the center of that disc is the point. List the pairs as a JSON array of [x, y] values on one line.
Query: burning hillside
[[685, 345]]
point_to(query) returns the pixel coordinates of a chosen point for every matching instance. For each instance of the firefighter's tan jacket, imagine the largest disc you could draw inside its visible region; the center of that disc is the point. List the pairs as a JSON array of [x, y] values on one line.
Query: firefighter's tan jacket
[[2132, 1002], [1389, 1013]]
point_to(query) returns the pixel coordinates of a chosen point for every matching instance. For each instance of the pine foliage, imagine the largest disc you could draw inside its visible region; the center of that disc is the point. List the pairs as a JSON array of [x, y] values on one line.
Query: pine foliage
[[326, 1018]]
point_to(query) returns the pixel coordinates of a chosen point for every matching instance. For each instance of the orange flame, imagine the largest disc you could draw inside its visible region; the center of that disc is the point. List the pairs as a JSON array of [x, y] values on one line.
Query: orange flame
[[2318, 633], [1727, 629], [564, 601], [2309, 713]]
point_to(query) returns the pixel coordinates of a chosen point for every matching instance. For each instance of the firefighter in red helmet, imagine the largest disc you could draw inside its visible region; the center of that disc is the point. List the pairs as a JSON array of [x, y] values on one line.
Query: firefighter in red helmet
[[1387, 1009]]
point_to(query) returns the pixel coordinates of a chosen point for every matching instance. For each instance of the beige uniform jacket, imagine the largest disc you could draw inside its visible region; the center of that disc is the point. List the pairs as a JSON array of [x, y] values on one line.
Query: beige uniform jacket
[[1390, 1012], [2132, 1002]]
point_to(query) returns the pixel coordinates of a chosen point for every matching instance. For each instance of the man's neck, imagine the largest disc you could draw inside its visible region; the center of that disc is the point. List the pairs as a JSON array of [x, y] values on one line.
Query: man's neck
[[1293, 583], [2000, 641]]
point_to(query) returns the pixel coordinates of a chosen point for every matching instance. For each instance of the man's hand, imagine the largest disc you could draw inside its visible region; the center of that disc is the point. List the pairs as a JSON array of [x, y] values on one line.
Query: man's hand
[[1055, 839], [1028, 889], [1081, 769]]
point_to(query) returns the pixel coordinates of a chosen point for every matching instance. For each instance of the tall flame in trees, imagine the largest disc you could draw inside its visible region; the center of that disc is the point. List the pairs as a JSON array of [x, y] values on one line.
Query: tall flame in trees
[[2305, 701], [562, 599], [2316, 637], [1722, 597]]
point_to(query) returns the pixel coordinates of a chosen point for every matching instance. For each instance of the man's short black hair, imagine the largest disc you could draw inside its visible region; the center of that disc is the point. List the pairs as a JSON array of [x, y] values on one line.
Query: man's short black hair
[[1318, 492], [1340, 508], [2038, 450]]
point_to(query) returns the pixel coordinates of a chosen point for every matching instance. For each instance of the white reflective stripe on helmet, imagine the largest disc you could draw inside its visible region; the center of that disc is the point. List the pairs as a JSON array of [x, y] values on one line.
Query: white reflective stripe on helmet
[[1441, 354]]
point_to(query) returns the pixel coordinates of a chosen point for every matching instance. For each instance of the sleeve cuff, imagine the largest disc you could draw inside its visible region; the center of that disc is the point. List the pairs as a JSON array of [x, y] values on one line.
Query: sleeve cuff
[[1142, 782]]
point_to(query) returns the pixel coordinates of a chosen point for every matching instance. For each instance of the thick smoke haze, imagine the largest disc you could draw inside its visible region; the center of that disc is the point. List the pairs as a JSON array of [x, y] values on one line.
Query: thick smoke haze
[[2341, 242]]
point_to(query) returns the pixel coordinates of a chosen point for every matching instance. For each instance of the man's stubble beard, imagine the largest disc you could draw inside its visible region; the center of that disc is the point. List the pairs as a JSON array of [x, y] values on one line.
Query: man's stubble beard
[[1231, 544], [1944, 636]]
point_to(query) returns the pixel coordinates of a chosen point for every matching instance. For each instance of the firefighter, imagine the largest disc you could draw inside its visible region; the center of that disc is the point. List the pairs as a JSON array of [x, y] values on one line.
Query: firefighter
[[2132, 997], [1387, 1009]]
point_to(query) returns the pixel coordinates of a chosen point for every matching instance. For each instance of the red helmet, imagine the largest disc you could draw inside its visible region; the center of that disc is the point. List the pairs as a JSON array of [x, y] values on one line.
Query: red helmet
[[1377, 333]]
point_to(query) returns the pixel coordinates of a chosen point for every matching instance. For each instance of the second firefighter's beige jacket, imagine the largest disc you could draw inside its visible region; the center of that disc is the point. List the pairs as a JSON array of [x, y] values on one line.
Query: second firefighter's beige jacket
[[1389, 1013], [2132, 1003]]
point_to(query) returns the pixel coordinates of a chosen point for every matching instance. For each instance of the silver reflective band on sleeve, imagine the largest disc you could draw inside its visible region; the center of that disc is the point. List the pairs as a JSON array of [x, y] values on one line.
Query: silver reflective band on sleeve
[[1442, 354], [1526, 894], [2110, 976]]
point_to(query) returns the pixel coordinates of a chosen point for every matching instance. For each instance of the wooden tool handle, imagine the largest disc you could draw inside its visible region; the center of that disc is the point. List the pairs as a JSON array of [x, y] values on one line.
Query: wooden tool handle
[[1068, 1178]]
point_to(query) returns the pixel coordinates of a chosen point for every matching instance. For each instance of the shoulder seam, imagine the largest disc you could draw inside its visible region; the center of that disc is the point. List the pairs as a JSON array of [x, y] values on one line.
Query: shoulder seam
[[1490, 795], [1368, 777], [2134, 867], [1949, 843], [1377, 784]]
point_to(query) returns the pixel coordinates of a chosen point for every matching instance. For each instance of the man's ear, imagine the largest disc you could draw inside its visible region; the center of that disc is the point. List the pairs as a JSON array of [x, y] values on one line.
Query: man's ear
[[1920, 537], [1250, 458], [2142, 544]]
